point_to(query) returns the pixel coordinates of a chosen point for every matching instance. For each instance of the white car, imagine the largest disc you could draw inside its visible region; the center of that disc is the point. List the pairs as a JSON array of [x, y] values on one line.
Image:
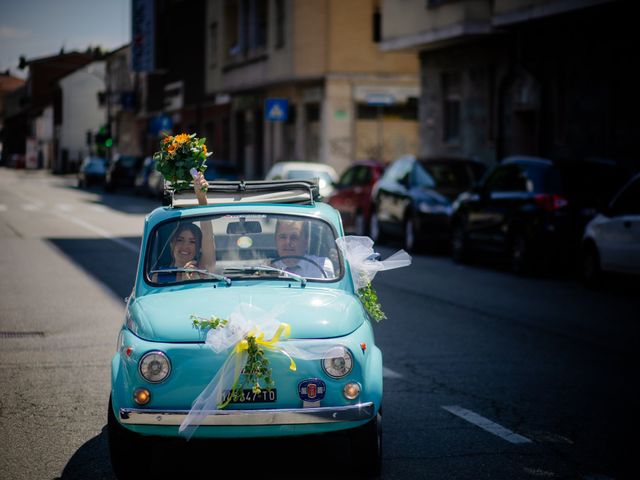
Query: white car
[[326, 175], [611, 241]]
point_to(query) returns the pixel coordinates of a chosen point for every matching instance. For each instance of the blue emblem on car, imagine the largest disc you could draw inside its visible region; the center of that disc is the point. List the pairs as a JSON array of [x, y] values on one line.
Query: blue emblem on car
[[312, 390]]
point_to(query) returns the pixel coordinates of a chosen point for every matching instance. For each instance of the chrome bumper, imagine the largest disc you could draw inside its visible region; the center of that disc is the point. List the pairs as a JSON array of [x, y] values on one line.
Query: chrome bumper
[[292, 416]]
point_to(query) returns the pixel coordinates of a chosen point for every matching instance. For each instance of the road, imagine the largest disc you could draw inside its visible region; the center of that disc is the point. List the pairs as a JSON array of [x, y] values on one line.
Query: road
[[487, 375]]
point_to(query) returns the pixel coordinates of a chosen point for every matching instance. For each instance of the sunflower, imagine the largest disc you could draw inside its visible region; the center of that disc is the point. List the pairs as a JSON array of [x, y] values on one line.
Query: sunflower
[[172, 148], [183, 137]]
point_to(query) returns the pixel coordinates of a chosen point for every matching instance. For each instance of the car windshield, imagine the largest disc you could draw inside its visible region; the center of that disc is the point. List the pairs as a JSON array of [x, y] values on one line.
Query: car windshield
[[246, 246], [307, 174], [444, 175], [96, 163]]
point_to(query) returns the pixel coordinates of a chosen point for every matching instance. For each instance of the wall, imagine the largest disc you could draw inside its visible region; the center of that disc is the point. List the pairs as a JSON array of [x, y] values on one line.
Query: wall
[[80, 109]]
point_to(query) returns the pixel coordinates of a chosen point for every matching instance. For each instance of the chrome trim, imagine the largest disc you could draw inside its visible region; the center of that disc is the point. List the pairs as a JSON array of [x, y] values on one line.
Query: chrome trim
[[289, 416]]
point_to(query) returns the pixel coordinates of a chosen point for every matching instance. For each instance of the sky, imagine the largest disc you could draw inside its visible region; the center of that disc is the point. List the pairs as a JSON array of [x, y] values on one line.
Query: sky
[[39, 28]]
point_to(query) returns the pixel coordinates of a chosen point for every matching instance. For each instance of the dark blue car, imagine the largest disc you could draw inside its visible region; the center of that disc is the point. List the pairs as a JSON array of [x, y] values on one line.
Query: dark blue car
[[413, 198]]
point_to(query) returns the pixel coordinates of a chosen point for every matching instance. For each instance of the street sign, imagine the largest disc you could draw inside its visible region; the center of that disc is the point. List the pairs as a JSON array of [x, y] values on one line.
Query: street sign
[[276, 109], [380, 99]]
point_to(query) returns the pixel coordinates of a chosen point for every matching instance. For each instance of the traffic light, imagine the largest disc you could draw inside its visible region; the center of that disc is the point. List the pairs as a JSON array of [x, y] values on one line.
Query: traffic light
[[103, 139]]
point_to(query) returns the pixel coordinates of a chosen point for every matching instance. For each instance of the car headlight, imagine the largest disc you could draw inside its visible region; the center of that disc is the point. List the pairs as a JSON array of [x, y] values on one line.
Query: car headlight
[[337, 362], [154, 367]]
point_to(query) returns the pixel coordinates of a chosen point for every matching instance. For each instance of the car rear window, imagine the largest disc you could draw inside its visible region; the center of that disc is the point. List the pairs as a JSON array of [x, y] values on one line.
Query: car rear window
[[444, 175], [308, 174]]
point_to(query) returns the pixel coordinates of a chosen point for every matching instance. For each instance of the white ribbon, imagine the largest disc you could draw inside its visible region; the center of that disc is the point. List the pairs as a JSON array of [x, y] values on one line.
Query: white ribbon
[[363, 262], [244, 320]]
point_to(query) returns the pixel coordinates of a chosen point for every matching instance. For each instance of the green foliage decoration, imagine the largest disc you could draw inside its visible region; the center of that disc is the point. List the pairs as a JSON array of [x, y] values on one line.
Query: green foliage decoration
[[178, 155], [369, 299]]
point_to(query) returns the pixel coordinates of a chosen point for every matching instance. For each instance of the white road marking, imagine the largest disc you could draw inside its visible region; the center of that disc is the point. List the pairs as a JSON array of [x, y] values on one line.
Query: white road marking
[[65, 207], [388, 373], [103, 233], [486, 424]]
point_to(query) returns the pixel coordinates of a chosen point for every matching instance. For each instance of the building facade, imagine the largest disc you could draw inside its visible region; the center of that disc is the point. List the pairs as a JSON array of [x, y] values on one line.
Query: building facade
[[338, 97], [540, 77], [81, 113]]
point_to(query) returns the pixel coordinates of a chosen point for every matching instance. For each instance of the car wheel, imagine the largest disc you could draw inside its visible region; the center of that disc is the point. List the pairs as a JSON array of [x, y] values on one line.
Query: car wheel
[[460, 244], [520, 254], [360, 224], [374, 228], [122, 444], [366, 447], [591, 271], [410, 235]]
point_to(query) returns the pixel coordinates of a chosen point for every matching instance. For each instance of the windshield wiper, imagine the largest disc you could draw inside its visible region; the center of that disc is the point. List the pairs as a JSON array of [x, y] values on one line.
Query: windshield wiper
[[267, 268], [221, 278]]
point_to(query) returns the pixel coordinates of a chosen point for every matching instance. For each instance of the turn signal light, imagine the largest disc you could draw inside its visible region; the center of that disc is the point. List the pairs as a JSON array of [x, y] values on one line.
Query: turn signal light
[[351, 390], [141, 396]]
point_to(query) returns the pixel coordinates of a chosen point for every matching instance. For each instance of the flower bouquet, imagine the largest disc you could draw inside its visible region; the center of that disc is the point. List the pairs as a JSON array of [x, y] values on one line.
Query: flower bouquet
[[179, 155]]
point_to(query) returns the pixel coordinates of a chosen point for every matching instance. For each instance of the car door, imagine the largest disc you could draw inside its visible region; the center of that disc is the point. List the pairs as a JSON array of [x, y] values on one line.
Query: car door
[[343, 198], [397, 194], [390, 191], [619, 237], [491, 209]]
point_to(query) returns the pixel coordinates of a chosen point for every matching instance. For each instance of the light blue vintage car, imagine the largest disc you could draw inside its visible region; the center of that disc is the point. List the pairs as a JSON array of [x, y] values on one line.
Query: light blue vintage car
[[274, 252]]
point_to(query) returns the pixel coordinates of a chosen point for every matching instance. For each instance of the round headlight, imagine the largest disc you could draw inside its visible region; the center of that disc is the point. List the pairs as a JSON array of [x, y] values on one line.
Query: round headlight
[[154, 367], [337, 362]]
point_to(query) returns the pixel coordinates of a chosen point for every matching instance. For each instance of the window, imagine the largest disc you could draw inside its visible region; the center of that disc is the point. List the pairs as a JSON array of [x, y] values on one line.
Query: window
[[628, 202], [508, 178], [362, 176], [242, 241], [376, 25], [347, 177], [280, 23], [451, 96]]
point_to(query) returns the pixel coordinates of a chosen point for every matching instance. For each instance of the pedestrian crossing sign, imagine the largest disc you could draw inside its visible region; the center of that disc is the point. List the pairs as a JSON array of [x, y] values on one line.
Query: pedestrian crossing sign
[[276, 109]]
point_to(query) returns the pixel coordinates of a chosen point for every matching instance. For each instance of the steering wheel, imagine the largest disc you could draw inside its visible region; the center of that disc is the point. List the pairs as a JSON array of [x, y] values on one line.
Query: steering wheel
[[299, 257]]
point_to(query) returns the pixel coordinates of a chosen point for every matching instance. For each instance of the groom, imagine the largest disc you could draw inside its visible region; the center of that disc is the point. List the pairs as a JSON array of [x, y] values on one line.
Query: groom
[[292, 239]]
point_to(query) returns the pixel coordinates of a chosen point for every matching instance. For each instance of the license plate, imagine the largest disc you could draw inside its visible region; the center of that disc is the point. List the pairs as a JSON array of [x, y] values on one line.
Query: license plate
[[247, 396]]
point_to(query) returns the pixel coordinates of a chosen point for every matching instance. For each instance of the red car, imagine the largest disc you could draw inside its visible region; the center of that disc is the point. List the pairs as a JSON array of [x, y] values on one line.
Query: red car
[[352, 197]]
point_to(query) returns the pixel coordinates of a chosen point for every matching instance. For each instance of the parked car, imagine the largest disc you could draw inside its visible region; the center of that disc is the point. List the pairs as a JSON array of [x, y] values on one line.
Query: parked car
[[122, 171], [611, 241], [413, 198], [141, 182], [92, 171], [155, 183], [530, 210], [352, 195], [166, 366], [305, 170]]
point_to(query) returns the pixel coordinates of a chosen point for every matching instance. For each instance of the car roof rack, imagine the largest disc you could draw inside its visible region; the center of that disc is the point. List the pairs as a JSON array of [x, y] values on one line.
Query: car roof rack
[[301, 192]]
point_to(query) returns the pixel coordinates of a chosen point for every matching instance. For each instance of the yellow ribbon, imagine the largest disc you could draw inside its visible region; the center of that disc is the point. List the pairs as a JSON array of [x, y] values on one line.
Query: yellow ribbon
[[284, 330]]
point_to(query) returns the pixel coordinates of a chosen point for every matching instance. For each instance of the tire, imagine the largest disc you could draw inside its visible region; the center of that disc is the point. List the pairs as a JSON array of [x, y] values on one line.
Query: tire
[[590, 268], [366, 447], [411, 241], [360, 224], [374, 228], [460, 244], [122, 443]]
